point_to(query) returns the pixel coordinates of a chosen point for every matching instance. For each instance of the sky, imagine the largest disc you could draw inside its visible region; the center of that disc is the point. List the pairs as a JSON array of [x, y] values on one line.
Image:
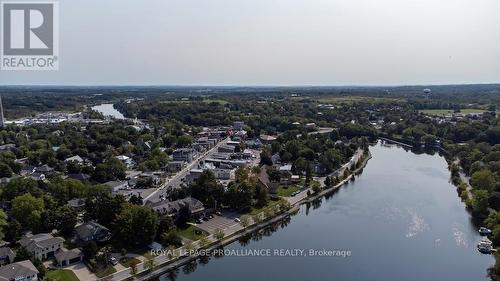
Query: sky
[[273, 42]]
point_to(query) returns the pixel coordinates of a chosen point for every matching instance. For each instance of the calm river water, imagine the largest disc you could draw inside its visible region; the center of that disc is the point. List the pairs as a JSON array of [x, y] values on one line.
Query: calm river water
[[401, 220]]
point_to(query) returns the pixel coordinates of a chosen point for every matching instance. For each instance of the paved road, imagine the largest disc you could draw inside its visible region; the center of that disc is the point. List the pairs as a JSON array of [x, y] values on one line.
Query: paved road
[[176, 180]]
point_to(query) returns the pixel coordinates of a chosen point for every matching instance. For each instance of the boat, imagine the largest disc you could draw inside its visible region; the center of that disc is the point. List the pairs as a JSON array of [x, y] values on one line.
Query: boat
[[485, 248], [486, 241], [484, 231]]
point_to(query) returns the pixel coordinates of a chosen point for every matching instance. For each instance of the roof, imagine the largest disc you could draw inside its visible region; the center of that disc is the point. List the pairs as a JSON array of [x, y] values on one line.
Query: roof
[[17, 269], [79, 176], [166, 207], [267, 138], [76, 203], [42, 240], [7, 252], [44, 168], [113, 184], [62, 255], [76, 158], [89, 229], [286, 167]]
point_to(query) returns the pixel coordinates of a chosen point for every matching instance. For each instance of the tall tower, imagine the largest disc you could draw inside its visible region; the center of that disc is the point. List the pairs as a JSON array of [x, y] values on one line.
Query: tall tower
[[1, 114]]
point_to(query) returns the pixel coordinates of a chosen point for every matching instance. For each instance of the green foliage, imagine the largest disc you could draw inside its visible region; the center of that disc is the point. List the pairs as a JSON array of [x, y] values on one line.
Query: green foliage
[[28, 211], [135, 226], [483, 179]]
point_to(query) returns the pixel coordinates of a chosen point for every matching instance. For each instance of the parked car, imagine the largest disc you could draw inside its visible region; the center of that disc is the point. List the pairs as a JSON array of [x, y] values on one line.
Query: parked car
[[237, 220], [113, 261]]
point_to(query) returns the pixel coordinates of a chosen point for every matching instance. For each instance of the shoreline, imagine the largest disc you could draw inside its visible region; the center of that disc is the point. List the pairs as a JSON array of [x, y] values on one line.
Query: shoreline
[[183, 260]]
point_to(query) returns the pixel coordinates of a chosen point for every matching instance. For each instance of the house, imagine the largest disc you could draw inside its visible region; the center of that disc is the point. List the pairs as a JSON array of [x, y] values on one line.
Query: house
[[263, 179], [117, 185], [254, 144], [44, 169], [233, 143], [41, 246], [8, 146], [175, 166], [172, 208], [183, 154], [276, 159], [285, 174], [6, 255], [68, 257], [267, 138], [92, 231], [76, 159], [238, 125], [222, 174], [77, 203], [79, 176], [126, 160], [19, 271]]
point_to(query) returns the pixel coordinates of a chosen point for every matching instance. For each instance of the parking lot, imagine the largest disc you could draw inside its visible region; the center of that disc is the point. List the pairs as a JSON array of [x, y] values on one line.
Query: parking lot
[[224, 221]]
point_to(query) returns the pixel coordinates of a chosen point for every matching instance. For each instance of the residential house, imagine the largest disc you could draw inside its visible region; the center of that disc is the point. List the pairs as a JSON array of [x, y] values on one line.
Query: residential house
[[42, 246], [79, 176], [253, 144], [92, 231], [175, 166], [68, 257], [77, 204], [129, 162], [19, 271], [6, 255], [183, 154], [264, 181], [285, 174], [76, 159], [117, 185], [276, 159], [172, 208], [238, 125]]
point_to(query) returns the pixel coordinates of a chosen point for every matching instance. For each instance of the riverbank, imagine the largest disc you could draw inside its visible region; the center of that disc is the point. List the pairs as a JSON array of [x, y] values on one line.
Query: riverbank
[[144, 272]]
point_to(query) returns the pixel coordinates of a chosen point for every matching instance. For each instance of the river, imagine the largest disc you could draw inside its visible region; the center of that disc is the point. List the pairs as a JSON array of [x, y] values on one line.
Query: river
[[400, 219], [107, 109]]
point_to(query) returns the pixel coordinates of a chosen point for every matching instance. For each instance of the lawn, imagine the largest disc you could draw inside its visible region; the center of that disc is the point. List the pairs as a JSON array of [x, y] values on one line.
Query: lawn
[[128, 261], [105, 271], [286, 191], [192, 233], [449, 111], [62, 275], [271, 203]]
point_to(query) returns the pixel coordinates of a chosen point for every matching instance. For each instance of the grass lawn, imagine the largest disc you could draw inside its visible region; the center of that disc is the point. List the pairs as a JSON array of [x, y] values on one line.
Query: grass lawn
[[127, 262], [192, 233], [62, 275], [271, 203], [105, 271], [286, 191], [449, 111]]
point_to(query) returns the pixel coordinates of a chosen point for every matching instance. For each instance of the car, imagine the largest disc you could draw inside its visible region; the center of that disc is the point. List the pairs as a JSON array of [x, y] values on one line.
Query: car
[[113, 261], [198, 221], [205, 218], [237, 220], [210, 216], [218, 213]]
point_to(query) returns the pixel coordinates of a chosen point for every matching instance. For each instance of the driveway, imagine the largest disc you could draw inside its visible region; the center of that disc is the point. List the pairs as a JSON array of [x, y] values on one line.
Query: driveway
[[82, 272]]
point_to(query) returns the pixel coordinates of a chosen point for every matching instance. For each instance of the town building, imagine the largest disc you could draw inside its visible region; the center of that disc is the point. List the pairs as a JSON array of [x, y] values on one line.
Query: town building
[[6, 255], [172, 208], [183, 154]]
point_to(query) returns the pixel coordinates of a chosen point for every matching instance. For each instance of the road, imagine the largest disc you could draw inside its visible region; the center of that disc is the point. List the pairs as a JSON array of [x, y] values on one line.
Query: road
[[176, 180]]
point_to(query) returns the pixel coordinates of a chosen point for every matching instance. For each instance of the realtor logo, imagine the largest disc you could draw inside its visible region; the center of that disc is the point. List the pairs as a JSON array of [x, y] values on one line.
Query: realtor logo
[[29, 35]]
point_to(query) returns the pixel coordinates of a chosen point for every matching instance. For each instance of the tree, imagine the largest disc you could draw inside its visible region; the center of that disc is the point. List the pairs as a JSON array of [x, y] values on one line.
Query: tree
[[171, 238], [28, 210], [135, 226], [90, 250], [483, 179], [5, 171], [3, 223], [206, 189], [239, 195], [219, 234], [480, 202]]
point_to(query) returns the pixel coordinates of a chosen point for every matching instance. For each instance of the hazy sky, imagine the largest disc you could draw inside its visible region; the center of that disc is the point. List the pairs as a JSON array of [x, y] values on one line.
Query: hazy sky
[[274, 42]]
